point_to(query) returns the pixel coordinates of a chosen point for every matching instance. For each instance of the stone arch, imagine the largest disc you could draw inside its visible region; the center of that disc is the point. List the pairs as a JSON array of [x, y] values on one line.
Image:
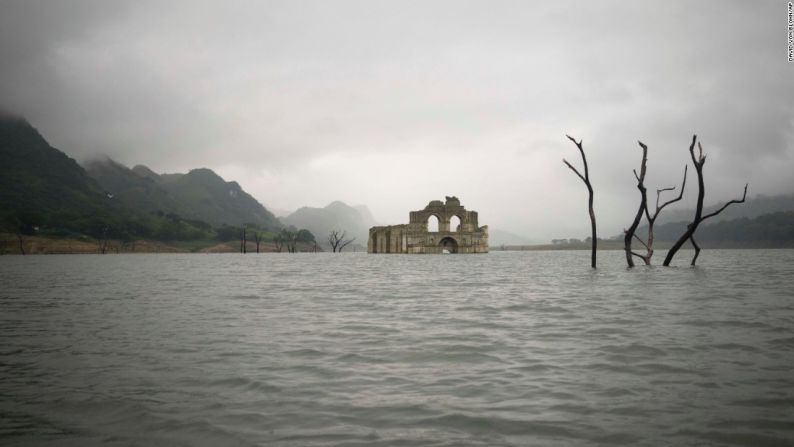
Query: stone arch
[[448, 244], [455, 223], [433, 223]]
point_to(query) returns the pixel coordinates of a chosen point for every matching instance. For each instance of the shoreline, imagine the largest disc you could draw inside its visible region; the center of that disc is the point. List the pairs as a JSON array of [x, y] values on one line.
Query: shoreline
[[45, 245]]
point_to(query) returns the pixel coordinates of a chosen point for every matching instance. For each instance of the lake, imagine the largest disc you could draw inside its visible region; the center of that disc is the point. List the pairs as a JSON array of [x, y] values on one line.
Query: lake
[[503, 349]]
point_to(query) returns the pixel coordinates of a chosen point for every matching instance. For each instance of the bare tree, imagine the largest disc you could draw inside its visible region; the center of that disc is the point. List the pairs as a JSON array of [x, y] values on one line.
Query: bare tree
[[257, 239], [586, 179], [699, 161], [102, 241], [243, 241], [291, 238], [337, 240], [629, 234], [652, 218], [278, 242]]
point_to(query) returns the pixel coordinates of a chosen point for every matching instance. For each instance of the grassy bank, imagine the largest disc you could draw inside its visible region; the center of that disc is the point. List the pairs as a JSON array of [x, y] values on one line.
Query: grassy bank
[[10, 244]]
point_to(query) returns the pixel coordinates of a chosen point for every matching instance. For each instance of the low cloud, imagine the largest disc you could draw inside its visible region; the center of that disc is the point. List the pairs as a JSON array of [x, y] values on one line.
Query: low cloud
[[393, 104]]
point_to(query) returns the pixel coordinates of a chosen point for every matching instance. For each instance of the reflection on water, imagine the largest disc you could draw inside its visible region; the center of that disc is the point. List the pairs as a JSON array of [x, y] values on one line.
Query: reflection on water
[[510, 348]]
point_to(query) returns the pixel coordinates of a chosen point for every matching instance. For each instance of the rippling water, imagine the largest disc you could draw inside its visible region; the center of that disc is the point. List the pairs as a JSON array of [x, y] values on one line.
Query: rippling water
[[510, 348]]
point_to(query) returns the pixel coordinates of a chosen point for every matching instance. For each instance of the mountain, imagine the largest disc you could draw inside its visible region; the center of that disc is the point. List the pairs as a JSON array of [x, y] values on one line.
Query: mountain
[[366, 215], [753, 207], [335, 216], [136, 191], [37, 178], [497, 237], [767, 230], [279, 212], [201, 194]]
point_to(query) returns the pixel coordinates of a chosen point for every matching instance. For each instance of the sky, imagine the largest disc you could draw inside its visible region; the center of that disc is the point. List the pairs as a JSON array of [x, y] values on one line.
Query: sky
[[392, 104]]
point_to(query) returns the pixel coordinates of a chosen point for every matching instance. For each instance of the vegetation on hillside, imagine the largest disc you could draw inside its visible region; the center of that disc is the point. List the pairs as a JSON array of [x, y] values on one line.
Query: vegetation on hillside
[[44, 193]]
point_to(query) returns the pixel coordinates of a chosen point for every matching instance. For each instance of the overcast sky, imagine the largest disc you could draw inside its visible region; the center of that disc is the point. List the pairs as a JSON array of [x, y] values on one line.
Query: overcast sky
[[393, 104]]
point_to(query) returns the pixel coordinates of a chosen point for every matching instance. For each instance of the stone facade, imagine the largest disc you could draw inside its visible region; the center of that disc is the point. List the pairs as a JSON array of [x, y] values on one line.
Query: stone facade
[[466, 236]]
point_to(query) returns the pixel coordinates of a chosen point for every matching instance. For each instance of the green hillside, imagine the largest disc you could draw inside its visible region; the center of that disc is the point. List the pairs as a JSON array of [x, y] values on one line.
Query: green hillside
[[767, 230], [39, 180], [200, 194]]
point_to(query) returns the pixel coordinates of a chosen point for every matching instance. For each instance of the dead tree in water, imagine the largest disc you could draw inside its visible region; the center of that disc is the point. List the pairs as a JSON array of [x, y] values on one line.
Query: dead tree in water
[[642, 209], [652, 219], [243, 242], [257, 239], [337, 240], [291, 238], [699, 161], [278, 242], [586, 179]]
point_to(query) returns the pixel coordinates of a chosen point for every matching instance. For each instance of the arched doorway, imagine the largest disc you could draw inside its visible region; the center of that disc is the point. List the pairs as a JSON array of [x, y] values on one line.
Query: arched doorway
[[432, 224], [448, 245], [454, 224]]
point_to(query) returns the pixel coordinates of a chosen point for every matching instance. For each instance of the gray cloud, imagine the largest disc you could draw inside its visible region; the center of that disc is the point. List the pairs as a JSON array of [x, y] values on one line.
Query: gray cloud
[[395, 103]]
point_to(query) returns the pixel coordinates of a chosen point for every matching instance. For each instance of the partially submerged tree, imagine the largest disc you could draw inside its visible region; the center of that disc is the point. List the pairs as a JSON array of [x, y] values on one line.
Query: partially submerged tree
[[689, 234], [243, 241], [648, 244], [337, 241], [102, 240], [291, 239], [278, 242], [629, 234], [643, 209], [586, 179], [257, 239]]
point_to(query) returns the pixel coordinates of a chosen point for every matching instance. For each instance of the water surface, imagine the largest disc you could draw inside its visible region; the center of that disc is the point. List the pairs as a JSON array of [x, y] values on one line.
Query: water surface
[[509, 348]]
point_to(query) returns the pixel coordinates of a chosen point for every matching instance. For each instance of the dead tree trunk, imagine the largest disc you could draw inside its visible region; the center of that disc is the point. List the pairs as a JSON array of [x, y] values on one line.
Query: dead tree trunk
[[642, 209], [699, 161], [337, 241], [243, 241], [652, 218], [278, 242], [257, 239], [586, 179], [21, 243]]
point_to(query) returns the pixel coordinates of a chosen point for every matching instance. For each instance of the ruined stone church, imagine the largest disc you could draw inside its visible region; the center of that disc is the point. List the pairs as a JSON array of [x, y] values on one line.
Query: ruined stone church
[[457, 232]]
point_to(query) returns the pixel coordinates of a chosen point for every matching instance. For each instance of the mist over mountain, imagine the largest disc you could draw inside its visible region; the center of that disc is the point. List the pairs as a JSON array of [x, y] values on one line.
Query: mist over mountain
[[753, 207], [37, 178], [366, 215], [337, 215], [497, 237], [201, 194]]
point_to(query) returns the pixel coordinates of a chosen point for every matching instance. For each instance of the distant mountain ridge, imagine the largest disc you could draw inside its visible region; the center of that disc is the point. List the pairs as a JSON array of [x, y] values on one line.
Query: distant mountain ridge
[[753, 207], [772, 230], [201, 194], [337, 215]]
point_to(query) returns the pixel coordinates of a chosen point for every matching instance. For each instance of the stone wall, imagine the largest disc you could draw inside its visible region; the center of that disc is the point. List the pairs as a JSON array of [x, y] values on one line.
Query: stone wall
[[414, 237]]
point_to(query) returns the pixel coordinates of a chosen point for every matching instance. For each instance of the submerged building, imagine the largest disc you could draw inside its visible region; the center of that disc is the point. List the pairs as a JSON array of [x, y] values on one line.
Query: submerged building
[[458, 232]]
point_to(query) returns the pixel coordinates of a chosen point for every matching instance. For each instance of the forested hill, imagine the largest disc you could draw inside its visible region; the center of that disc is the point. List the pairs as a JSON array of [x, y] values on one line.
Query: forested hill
[[753, 207], [201, 194], [45, 192], [768, 230], [37, 179]]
